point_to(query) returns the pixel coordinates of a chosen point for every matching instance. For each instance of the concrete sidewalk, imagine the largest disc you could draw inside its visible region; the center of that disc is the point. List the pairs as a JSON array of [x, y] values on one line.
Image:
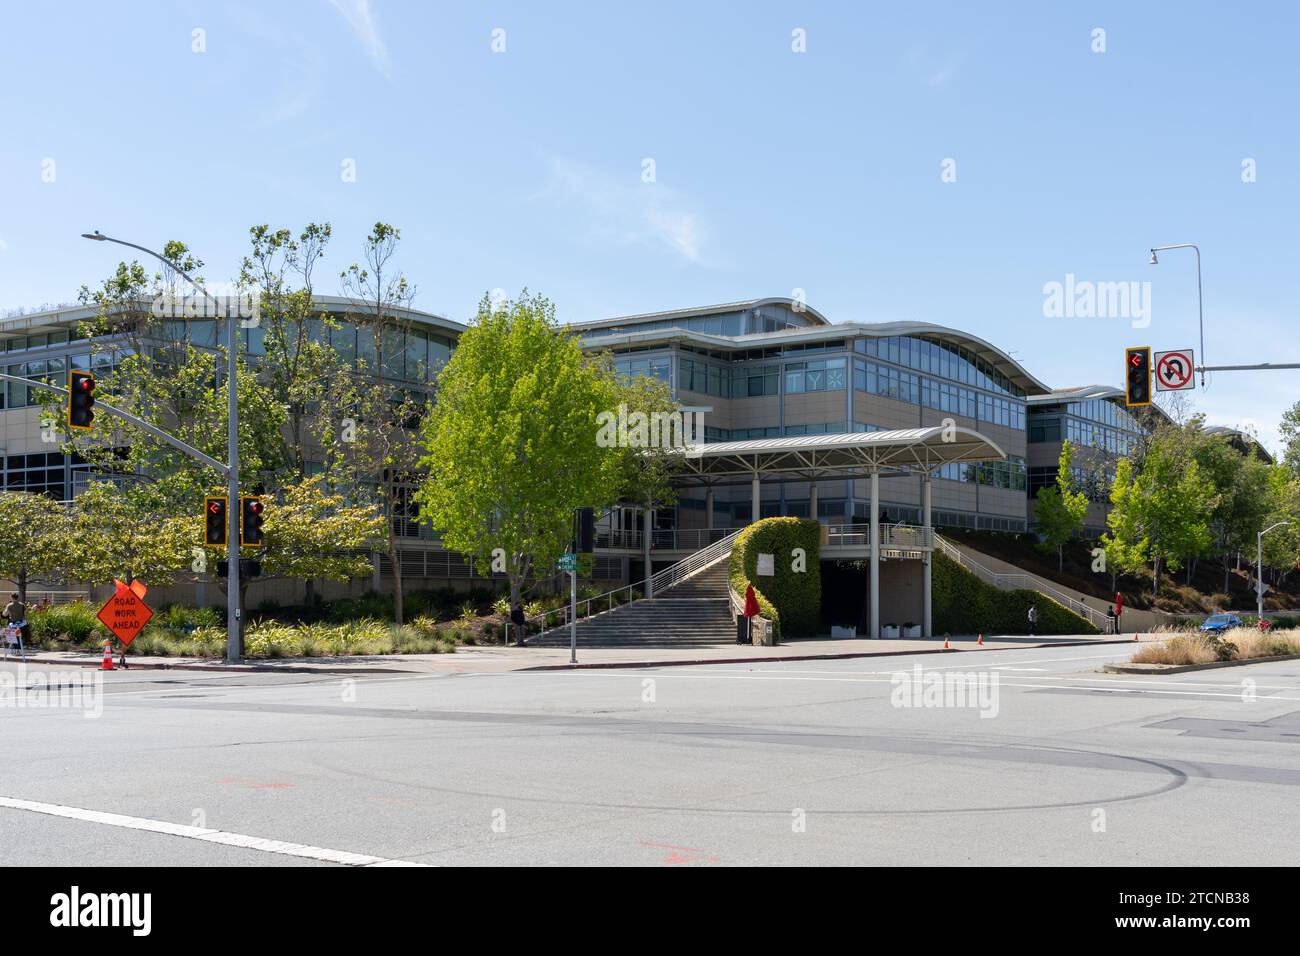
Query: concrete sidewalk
[[502, 659]]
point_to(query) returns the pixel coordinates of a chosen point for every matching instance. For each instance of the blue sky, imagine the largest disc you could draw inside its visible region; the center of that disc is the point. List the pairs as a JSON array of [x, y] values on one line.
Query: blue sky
[[774, 170]]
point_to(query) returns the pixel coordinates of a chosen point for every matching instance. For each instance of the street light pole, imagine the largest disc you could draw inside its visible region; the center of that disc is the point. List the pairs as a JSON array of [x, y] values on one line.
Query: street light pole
[[234, 644], [1259, 568], [1200, 303]]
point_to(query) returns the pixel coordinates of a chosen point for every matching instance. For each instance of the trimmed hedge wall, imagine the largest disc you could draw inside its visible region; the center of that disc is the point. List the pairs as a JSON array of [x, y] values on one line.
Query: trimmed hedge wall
[[791, 600], [963, 604]]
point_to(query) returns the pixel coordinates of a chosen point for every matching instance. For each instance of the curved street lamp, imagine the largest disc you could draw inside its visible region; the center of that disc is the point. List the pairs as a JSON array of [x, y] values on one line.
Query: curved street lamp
[[233, 649], [1200, 304]]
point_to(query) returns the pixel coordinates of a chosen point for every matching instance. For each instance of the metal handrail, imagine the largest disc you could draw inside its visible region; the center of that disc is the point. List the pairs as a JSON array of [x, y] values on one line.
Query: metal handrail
[[687, 567], [1003, 582]]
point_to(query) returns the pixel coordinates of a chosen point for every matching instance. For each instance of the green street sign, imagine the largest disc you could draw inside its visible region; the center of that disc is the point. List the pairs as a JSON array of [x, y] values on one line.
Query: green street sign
[[568, 562]]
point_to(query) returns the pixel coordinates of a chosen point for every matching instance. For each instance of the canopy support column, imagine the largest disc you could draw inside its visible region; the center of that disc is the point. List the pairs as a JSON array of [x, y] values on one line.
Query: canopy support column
[[927, 538], [757, 499], [708, 508], [812, 499], [875, 554]]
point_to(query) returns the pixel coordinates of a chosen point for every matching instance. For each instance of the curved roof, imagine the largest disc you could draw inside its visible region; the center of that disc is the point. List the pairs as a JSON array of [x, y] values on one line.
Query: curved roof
[[624, 333], [1080, 393], [1243, 440], [803, 308], [851, 455]]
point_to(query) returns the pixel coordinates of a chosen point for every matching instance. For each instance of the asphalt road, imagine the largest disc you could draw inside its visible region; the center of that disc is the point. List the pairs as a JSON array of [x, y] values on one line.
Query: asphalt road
[[788, 763]]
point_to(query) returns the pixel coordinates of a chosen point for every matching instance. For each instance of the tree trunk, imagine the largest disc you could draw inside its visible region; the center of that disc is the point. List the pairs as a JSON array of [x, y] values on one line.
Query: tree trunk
[[22, 587], [1060, 559], [1155, 580], [397, 578], [1227, 570]]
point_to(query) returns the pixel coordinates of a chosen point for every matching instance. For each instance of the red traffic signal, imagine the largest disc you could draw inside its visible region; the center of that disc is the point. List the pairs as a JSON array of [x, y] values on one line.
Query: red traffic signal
[[215, 529], [1137, 376], [250, 525], [81, 400]]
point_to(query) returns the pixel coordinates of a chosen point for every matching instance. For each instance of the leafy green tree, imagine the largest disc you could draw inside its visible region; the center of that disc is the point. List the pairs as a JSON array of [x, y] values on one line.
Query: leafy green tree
[[380, 450], [511, 445], [1060, 509], [1282, 545], [127, 535], [1240, 486], [314, 532], [1175, 499], [35, 538], [1125, 542], [1290, 432]]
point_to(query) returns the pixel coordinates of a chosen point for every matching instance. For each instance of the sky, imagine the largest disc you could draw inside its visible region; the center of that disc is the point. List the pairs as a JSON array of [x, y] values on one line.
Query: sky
[[937, 162]]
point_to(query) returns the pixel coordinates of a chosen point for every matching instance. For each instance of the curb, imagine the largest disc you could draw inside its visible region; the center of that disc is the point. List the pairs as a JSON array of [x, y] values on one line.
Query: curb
[[225, 668], [1184, 668], [608, 665]]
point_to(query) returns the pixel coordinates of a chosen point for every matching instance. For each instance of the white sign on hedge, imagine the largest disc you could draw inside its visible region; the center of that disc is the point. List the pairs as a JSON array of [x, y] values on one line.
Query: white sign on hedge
[[766, 565]]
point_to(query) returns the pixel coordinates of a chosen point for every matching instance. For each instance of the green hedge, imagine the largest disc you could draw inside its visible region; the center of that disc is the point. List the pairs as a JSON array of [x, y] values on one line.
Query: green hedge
[[790, 600], [963, 604]]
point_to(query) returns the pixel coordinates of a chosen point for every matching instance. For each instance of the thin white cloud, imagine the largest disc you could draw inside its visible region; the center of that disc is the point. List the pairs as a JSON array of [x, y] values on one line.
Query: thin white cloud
[[626, 211], [361, 21], [4, 246]]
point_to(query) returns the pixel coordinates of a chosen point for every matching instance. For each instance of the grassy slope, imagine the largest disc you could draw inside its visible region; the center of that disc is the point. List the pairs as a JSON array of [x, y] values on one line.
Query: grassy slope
[[1175, 593]]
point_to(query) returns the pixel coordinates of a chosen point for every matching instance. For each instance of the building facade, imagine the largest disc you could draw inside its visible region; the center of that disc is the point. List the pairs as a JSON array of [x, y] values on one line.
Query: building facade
[[761, 369]]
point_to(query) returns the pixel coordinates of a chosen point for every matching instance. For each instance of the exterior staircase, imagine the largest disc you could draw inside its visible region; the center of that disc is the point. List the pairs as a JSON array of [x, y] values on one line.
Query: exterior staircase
[[693, 611]]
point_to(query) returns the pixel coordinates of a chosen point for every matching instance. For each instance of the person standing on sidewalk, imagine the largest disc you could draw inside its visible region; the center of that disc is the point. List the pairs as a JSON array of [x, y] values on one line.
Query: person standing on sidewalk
[[1033, 618], [15, 613], [1112, 620], [519, 623]]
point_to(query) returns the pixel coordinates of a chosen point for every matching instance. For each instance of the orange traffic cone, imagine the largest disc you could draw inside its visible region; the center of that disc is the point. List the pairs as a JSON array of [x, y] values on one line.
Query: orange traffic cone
[[945, 642], [980, 642], [107, 665]]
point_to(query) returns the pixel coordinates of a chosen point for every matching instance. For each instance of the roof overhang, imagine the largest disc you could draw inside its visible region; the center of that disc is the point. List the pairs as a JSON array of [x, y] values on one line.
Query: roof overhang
[[853, 455]]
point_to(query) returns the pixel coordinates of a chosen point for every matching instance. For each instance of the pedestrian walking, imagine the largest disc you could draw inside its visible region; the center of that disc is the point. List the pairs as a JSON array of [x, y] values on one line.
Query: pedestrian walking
[[519, 623], [1112, 620], [1033, 618]]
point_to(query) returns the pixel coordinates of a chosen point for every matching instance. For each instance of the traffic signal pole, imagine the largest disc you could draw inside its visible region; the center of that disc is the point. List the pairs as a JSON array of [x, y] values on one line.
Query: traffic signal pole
[[234, 626], [234, 639]]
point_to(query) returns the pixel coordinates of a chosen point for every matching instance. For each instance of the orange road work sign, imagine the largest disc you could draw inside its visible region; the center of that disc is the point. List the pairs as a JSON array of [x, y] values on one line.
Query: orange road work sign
[[125, 613]]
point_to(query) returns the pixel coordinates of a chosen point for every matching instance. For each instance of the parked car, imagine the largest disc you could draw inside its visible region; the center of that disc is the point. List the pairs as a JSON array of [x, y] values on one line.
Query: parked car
[[1217, 623]]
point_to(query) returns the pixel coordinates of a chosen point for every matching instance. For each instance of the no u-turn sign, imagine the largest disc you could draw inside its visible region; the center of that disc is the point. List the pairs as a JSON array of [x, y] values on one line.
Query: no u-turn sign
[[1174, 370]]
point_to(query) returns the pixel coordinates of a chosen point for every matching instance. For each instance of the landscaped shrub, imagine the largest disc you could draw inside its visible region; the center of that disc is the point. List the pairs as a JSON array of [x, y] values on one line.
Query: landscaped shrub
[[75, 622], [790, 599], [963, 604]]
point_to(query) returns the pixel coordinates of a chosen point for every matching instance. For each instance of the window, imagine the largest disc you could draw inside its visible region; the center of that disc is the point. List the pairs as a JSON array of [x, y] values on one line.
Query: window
[[819, 375]]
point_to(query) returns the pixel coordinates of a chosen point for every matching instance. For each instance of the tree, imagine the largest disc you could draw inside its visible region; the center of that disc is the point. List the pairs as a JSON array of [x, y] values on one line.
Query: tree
[[1289, 429], [383, 454], [1060, 509], [126, 535], [35, 538], [1160, 512], [1125, 542], [1240, 485], [511, 446], [315, 532], [1282, 545]]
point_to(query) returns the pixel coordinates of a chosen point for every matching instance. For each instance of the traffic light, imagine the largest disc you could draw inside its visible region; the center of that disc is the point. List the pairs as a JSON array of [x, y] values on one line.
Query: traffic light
[[584, 531], [1137, 376], [214, 511], [81, 400], [250, 524]]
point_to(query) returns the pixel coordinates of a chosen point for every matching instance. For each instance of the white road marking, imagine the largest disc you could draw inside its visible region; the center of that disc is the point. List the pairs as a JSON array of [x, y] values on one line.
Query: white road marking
[[300, 850]]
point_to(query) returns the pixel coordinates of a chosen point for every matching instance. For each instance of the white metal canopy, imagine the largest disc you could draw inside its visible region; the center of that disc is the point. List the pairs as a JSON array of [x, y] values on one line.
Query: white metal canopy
[[855, 454]]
